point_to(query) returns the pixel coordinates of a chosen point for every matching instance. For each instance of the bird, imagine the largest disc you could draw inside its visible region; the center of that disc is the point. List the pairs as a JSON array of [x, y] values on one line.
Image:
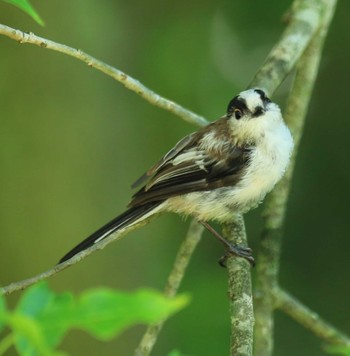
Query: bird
[[227, 167]]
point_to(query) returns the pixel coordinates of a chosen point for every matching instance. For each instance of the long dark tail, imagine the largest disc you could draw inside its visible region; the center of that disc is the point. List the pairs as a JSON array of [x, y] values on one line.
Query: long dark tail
[[128, 217]]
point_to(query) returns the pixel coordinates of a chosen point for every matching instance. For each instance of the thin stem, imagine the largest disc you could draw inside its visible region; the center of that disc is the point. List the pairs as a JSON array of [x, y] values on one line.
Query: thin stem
[[275, 208], [175, 278], [129, 82], [309, 319]]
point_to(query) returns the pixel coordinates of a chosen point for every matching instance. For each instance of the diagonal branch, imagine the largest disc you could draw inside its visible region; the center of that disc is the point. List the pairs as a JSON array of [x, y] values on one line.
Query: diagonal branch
[[309, 319], [128, 81], [303, 22], [175, 278]]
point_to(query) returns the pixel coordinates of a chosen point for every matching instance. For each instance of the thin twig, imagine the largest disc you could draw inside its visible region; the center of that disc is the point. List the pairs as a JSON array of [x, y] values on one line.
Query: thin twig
[[129, 82], [309, 319], [182, 260], [274, 212]]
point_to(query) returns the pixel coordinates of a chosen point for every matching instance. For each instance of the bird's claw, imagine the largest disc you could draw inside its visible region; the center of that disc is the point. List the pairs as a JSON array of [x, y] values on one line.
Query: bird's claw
[[240, 251]]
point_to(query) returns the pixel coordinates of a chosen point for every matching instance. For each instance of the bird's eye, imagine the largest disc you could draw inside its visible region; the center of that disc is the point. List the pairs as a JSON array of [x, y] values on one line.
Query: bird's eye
[[238, 114]]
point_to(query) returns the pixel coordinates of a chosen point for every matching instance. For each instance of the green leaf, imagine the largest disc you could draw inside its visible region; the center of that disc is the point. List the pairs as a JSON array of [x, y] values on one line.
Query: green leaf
[[105, 313], [25, 6], [29, 339], [42, 317], [35, 299], [53, 313]]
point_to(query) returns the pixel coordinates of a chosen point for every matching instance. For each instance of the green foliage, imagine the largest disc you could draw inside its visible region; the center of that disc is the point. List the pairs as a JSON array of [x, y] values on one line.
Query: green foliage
[[42, 317], [338, 350], [25, 6]]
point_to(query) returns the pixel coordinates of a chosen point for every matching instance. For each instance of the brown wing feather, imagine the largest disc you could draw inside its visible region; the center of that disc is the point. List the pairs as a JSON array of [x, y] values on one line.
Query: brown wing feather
[[180, 146], [190, 176]]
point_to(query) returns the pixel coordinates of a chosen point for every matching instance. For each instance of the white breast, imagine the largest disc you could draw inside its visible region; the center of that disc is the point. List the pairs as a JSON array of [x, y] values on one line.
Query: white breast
[[267, 165]]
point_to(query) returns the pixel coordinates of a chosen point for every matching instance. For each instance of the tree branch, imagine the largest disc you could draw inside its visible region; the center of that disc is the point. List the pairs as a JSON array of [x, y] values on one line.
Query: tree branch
[[239, 292], [182, 260], [129, 82], [275, 207], [309, 319], [303, 21]]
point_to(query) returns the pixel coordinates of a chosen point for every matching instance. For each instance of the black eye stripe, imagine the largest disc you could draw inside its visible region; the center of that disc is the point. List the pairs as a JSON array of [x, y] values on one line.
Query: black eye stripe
[[258, 111], [236, 103]]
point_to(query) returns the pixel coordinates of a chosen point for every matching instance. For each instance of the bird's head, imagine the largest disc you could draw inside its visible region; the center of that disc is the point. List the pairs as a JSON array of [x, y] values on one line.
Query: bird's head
[[251, 114]]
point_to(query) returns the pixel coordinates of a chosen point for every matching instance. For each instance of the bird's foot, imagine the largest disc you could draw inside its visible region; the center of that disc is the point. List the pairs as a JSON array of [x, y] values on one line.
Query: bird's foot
[[231, 249], [240, 251]]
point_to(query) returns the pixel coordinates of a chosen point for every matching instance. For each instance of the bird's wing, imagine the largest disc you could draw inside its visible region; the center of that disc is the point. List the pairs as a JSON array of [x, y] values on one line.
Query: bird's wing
[[187, 169], [179, 147]]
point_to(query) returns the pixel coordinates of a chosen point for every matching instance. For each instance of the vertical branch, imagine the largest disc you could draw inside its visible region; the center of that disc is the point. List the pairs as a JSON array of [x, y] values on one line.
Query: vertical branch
[[274, 212], [240, 293]]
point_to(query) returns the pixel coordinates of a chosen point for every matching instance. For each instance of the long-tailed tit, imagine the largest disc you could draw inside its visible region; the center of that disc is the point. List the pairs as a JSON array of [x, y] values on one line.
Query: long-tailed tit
[[224, 168]]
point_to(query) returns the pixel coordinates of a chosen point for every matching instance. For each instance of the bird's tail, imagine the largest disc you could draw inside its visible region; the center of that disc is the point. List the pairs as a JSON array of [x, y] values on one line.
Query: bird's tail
[[129, 217]]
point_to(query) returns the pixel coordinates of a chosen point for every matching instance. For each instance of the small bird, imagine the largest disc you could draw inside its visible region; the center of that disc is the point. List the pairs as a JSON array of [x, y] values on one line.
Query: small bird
[[224, 168]]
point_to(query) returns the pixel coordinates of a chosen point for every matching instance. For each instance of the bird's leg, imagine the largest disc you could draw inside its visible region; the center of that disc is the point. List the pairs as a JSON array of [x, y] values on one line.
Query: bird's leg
[[232, 249]]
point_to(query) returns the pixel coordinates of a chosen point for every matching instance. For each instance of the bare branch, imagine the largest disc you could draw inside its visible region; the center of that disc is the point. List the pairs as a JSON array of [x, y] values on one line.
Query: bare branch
[[129, 82], [182, 260], [309, 319]]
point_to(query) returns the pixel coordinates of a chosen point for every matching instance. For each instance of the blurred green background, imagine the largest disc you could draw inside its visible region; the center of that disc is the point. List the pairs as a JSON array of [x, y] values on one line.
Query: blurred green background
[[73, 140]]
